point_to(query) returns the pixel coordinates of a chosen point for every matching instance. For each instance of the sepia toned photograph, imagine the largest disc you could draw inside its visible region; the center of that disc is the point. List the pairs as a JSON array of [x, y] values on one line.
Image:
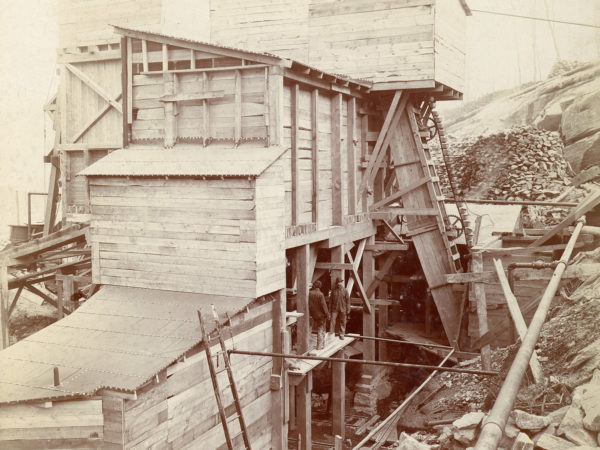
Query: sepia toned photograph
[[300, 224]]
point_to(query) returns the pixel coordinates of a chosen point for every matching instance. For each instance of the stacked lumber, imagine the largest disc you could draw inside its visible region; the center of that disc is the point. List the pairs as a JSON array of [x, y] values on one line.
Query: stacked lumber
[[523, 163]]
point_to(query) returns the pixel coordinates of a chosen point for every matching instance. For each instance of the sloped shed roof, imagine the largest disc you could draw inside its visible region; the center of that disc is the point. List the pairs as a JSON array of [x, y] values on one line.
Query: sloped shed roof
[[119, 339], [185, 161]]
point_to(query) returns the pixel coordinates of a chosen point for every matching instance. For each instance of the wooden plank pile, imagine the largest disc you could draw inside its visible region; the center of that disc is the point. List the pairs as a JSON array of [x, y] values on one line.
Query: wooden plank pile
[[523, 163]]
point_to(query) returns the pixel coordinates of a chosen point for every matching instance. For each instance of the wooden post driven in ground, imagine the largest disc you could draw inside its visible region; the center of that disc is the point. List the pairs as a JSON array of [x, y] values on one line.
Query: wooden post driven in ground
[[304, 389], [338, 397], [368, 319], [478, 291], [383, 322], [279, 392]]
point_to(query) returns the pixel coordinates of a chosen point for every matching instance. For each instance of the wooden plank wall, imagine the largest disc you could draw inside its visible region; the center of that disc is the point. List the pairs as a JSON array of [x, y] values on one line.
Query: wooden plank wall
[[528, 294], [82, 22], [176, 234], [388, 41], [270, 231], [277, 26], [181, 412], [76, 424], [450, 23], [149, 123], [304, 141]]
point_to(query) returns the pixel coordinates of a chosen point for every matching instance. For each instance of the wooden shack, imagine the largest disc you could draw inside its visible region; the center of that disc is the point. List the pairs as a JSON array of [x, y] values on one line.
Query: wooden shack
[[237, 176], [189, 219]]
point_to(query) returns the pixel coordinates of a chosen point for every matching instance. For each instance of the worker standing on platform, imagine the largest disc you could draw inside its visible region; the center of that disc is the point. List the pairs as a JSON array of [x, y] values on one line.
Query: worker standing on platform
[[340, 307], [319, 312]]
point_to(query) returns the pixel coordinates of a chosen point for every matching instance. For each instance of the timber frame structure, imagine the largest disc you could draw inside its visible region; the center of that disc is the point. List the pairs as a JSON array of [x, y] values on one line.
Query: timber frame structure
[[196, 163]]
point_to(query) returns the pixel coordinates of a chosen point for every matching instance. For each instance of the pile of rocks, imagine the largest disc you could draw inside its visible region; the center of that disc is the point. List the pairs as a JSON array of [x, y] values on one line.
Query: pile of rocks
[[523, 163]]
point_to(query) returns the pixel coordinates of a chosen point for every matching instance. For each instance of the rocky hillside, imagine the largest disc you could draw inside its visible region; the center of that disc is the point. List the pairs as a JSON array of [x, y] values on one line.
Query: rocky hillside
[[568, 103]]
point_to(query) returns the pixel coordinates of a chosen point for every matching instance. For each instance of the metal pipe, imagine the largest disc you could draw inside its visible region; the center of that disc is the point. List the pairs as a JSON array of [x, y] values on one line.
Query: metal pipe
[[403, 405], [398, 341], [364, 361], [538, 265], [509, 202], [493, 428]]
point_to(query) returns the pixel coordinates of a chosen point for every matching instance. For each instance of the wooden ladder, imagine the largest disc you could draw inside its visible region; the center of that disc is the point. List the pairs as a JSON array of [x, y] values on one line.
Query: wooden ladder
[[434, 188], [225, 420]]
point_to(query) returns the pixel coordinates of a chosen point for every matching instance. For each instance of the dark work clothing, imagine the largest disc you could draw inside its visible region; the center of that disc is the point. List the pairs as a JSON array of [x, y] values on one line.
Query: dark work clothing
[[340, 308], [340, 300], [317, 305]]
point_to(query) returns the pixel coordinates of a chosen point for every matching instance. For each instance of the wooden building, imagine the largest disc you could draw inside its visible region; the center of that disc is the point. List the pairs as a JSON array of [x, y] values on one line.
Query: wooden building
[[233, 176]]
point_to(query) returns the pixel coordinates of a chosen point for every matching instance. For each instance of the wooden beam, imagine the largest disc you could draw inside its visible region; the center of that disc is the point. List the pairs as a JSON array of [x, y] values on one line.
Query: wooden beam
[[517, 317], [364, 154], [205, 112], [129, 110], [314, 120], [381, 273], [86, 127], [275, 105], [182, 97], [95, 86], [46, 297], [15, 300], [144, 55], [382, 153], [304, 412], [279, 424], [368, 317], [589, 203], [387, 246], [380, 139], [4, 306], [52, 200], [169, 107], [302, 267], [355, 262], [367, 308], [295, 115], [351, 156], [336, 159], [478, 291], [400, 192], [382, 292], [238, 107], [338, 396], [334, 266], [165, 57]]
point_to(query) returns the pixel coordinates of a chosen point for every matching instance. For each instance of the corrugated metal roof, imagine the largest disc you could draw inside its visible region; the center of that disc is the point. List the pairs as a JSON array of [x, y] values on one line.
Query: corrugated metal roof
[[118, 339], [185, 161]]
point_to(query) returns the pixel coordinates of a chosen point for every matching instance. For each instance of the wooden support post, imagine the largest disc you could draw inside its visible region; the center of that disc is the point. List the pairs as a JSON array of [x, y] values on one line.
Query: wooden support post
[[238, 107], [278, 422], [336, 159], [302, 280], [68, 289], [170, 118], [383, 322], [4, 306], [368, 318], [304, 412], [517, 317], [205, 111], [165, 57], [275, 86], [128, 112], [144, 55], [338, 395], [59, 297], [51, 201], [351, 156], [364, 153], [337, 256], [314, 120], [478, 291], [124, 96], [295, 115]]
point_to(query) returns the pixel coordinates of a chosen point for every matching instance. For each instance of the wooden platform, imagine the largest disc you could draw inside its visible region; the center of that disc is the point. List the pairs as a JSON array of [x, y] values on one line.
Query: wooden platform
[[300, 367]]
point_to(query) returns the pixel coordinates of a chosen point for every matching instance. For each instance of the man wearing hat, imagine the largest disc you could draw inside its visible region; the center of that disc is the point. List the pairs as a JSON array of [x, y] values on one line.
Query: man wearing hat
[[340, 307], [319, 313]]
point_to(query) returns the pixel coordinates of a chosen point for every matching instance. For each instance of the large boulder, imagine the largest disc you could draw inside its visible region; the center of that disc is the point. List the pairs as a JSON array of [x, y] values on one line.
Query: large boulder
[[581, 118], [583, 153], [550, 118]]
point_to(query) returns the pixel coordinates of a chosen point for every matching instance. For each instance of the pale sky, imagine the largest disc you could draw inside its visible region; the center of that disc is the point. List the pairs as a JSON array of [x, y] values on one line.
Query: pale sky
[[500, 54]]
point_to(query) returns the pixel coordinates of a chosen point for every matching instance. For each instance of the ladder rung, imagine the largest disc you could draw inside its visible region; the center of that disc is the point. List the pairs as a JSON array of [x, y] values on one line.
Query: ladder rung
[[232, 418]]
